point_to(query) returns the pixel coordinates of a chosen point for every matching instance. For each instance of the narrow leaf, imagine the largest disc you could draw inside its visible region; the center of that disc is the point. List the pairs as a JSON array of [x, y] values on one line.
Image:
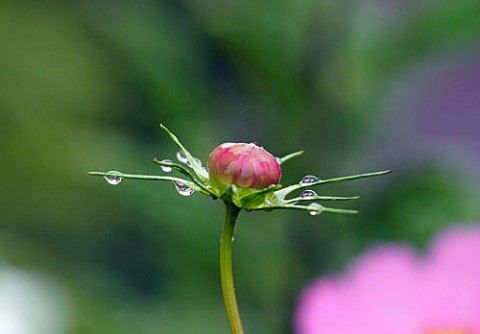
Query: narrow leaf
[[289, 156], [322, 198], [282, 193], [197, 168], [151, 178], [185, 171]]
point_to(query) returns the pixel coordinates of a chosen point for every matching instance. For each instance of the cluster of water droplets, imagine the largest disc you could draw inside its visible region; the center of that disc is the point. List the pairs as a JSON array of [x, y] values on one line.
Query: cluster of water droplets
[[113, 178], [314, 208], [309, 179], [183, 189], [183, 159]]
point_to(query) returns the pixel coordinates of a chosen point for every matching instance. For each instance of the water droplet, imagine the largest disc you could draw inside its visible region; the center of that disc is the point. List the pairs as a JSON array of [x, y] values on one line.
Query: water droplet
[[315, 209], [233, 237], [113, 178], [308, 194], [183, 189], [309, 179], [166, 169], [198, 161], [181, 157]]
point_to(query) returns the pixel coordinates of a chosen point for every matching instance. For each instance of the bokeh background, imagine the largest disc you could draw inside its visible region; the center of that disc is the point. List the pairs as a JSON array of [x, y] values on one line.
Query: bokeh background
[[360, 85]]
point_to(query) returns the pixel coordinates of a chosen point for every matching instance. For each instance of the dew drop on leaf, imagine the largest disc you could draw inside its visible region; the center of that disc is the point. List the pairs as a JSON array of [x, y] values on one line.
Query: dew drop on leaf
[[166, 169], [315, 209], [308, 194], [182, 158], [183, 189], [309, 179], [113, 178]]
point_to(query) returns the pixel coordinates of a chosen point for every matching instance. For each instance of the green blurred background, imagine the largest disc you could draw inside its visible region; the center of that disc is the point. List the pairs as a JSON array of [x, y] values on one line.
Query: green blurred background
[[359, 85]]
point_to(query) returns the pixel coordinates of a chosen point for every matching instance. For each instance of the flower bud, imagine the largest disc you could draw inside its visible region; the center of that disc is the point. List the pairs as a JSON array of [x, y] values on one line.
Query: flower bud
[[244, 165]]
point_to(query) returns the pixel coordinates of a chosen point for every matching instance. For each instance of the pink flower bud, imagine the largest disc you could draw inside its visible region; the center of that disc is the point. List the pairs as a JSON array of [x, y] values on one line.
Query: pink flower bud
[[245, 165]]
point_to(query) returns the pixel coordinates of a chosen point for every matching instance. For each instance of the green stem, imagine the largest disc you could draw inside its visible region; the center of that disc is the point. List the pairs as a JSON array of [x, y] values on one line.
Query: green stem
[[226, 272]]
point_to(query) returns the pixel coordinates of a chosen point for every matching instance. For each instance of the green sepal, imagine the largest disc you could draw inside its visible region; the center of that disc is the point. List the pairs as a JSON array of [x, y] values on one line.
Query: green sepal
[[197, 168], [318, 208], [289, 156], [188, 183], [282, 193], [257, 198], [185, 171], [322, 198]]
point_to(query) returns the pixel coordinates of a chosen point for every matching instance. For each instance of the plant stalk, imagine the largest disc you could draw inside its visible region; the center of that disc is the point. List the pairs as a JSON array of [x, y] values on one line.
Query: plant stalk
[[226, 272]]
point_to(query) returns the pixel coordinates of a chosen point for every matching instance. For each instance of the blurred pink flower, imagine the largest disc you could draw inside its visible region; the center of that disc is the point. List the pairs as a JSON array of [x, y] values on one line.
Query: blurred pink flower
[[390, 290], [245, 165]]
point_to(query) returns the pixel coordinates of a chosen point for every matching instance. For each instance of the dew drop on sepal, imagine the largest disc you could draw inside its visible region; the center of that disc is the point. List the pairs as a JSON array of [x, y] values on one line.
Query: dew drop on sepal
[[308, 194], [315, 209], [113, 178], [309, 179], [166, 169], [183, 189], [181, 157]]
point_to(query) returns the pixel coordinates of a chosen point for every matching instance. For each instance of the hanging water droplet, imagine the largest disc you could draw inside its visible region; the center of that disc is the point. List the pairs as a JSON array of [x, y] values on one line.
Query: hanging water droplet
[[113, 178], [315, 209], [181, 157], [308, 194], [183, 189], [309, 179], [166, 169], [233, 237]]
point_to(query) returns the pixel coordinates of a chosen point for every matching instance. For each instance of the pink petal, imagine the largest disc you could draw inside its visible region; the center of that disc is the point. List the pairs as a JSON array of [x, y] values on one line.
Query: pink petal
[[377, 297], [384, 284], [390, 291], [324, 307], [452, 294]]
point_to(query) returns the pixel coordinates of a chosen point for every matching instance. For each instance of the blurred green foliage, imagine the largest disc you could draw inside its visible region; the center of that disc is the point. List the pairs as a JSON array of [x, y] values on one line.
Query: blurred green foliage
[[84, 85]]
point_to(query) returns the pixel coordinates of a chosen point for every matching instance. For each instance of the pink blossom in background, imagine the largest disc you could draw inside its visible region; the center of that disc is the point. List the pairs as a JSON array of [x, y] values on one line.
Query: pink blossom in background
[[391, 290]]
